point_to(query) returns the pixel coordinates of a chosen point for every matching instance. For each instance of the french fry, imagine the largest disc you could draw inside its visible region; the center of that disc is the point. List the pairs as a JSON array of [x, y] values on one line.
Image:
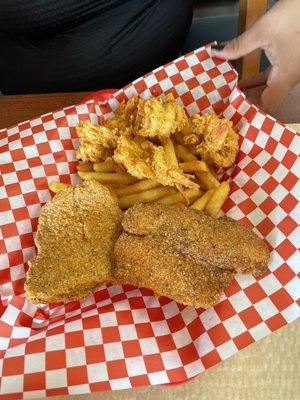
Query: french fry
[[200, 204], [85, 167], [137, 187], [169, 150], [56, 187], [108, 177], [193, 166], [217, 199], [205, 177], [103, 167], [189, 194], [147, 196]]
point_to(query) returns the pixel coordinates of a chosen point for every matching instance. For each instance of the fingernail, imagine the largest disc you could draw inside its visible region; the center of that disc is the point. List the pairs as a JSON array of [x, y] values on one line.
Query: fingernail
[[218, 46]]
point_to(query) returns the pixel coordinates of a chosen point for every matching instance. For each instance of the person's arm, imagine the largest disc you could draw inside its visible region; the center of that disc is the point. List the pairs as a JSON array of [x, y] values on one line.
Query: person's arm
[[278, 34]]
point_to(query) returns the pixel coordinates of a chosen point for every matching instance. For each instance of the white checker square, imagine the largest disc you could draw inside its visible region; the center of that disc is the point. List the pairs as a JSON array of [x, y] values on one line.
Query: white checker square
[[127, 332], [241, 179], [55, 342], [117, 384], [187, 74], [234, 326], [108, 319], [135, 366], [227, 349], [73, 326], [258, 196], [279, 152], [294, 237], [20, 165], [79, 389], [277, 131], [170, 310], [203, 344], [265, 308], [245, 280], [6, 289], [113, 351], [209, 318], [122, 305], [275, 261], [34, 363], [182, 338], [160, 328], [115, 290], [261, 139], [296, 166], [97, 372], [171, 70], [189, 314], [270, 284], [295, 144], [20, 332], [48, 125], [171, 359], [256, 216], [275, 237], [260, 176], [140, 316], [75, 357], [192, 60], [11, 384], [238, 196], [277, 215], [197, 93], [293, 288], [194, 368], [157, 378], [6, 217], [17, 201], [280, 173], [262, 158], [35, 122], [34, 210], [15, 144], [239, 301], [92, 336], [34, 394], [31, 151], [258, 120], [27, 186], [10, 177], [291, 313], [56, 378], [182, 88], [259, 331], [151, 302], [149, 346], [294, 262], [4, 341], [10, 315], [15, 351]]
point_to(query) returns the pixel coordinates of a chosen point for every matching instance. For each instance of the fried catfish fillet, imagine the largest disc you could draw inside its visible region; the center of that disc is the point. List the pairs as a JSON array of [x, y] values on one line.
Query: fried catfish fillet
[[143, 159], [213, 138], [183, 254], [75, 237]]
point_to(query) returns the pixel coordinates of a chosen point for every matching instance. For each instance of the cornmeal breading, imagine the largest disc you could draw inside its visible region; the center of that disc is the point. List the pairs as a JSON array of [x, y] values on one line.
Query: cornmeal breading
[[75, 237]]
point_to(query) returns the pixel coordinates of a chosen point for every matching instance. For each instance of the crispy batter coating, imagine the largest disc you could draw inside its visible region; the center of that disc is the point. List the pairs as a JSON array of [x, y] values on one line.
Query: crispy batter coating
[[144, 159], [75, 237], [183, 254], [213, 138]]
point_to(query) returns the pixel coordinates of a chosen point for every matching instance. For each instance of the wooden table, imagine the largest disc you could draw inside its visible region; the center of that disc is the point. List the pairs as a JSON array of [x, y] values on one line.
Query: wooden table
[[267, 370]]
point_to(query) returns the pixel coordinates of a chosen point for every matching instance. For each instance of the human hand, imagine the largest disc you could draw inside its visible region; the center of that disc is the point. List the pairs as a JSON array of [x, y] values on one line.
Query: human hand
[[278, 34]]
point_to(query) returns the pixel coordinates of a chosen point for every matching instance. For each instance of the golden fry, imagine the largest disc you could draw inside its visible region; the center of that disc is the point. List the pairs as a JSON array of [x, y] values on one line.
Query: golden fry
[[140, 186], [200, 204], [103, 167], [169, 150], [193, 166], [188, 194], [107, 177], [147, 196], [217, 199], [56, 187], [85, 167]]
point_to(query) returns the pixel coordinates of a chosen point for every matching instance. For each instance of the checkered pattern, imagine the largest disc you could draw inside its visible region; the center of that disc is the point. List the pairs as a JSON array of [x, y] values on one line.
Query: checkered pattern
[[122, 336]]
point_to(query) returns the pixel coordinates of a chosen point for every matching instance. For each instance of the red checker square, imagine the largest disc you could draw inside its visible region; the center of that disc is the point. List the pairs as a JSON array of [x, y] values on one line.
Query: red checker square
[[18, 286], [28, 141], [218, 335], [24, 125], [47, 118], [265, 226], [243, 340], [289, 159], [5, 329], [153, 362], [287, 225], [232, 289], [99, 386], [188, 354], [9, 230], [271, 165], [198, 69], [269, 185], [214, 72], [255, 293], [50, 169], [208, 86], [34, 162], [251, 168], [110, 334], [140, 86], [131, 348], [250, 187], [4, 205], [225, 310], [195, 329], [94, 354], [224, 91], [57, 391], [17, 154], [177, 374], [203, 103], [61, 122], [13, 366], [187, 98], [139, 380], [124, 317], [284, 274], [267, 125], [15, 257], [34, 381], [144, 330], [55, 359], [13, 189], [74, 339], [116, 369], [182, 65], [36, 346], [37, 128], [286, 249], [176, 323], [288, 203], [281, 299], [24, 175], [26, 240], [289, 181], [91, 322], [160, 75], [247, 206], [67, 144], [77, 375], [176, 79], [56, 330], [229, 76], [271, 145], [250, 317], [210, 359], [275, 322], [268, 205], [155, 314], [250, 114], [11, 396], [287, 137], [202, 55], [165, 343], [192, 83], [31, 198]]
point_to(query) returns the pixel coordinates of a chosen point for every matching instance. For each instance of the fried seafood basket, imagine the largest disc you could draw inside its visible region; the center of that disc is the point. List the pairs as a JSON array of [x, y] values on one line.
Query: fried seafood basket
[[122, 336]]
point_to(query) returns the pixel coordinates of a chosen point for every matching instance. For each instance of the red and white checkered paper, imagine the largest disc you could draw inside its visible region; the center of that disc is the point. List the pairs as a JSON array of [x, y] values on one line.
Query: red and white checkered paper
[[121, 336]]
